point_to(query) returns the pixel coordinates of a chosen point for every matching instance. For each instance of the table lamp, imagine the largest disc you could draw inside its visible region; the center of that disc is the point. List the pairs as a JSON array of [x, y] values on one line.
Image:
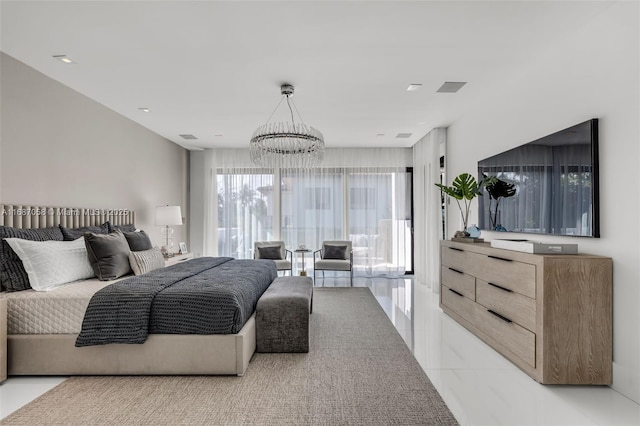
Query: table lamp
[[166, 216]]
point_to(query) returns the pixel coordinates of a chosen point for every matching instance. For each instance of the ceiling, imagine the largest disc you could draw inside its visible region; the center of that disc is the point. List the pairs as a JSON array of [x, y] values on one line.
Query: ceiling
[[214, 69]]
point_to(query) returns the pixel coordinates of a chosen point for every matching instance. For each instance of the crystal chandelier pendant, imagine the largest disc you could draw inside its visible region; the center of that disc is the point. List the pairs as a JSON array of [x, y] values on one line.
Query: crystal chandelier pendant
[[287, 145]]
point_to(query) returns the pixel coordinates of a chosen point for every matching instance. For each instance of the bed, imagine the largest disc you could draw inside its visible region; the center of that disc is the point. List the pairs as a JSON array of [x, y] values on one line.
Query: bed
[[43, 327]]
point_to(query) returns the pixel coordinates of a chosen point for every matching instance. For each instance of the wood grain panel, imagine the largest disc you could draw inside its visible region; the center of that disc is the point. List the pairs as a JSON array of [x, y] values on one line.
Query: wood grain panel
[[459, 281], [516, 276], [509, 335], [460, 259], [461, 305], [578, 321], [515, 306]]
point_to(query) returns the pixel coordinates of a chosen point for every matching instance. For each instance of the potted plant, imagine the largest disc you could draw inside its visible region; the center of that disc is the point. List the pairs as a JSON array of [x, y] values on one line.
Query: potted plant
[[464, 188], [497, 189]]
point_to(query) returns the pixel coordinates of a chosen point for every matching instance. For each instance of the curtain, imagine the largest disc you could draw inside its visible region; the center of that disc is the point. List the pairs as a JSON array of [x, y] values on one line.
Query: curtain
[[224, 171], [245, 210], [362, 195], [380, 223], [312, 205], [428, 207]]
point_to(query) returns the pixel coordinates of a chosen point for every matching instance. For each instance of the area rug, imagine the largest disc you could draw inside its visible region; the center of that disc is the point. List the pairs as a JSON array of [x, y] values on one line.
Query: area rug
[[359, 371]]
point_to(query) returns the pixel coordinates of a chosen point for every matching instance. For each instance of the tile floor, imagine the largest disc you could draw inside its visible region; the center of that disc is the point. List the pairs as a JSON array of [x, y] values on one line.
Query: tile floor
[[479, 386]]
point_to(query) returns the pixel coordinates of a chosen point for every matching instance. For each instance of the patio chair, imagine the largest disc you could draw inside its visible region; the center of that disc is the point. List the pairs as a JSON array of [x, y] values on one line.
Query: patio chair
[[276, 251], [334, 256]]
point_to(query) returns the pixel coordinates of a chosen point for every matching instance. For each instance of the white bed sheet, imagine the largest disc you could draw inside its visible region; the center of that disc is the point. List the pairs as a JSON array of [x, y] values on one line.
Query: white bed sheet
[[58, 311]]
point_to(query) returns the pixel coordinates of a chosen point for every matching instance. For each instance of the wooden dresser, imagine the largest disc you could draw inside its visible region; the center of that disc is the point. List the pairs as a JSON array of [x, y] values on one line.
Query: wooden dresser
[[551, 315]]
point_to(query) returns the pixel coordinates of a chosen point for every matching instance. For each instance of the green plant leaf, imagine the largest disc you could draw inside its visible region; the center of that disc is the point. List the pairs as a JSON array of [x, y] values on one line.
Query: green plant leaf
[[463, 186], [450, 191], [466, 185]]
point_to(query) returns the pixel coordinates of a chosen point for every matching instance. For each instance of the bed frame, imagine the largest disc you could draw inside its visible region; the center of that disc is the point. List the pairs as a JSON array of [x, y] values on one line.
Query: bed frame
[[161, 354]]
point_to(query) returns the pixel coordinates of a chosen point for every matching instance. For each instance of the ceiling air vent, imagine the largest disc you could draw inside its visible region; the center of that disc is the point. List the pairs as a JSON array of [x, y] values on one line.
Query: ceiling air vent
[[403, 135], [188, 137], [451, 86]]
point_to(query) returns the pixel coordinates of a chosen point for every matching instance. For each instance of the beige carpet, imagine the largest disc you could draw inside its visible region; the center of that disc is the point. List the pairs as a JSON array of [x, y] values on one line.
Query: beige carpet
[[359, 372]]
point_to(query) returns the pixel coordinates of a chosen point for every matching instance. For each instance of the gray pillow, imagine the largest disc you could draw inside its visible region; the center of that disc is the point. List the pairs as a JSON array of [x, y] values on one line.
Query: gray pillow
[[12, 273], [108, 254], [270, 252], [138, 241], [334, 252], [124, 228], [72, 234]]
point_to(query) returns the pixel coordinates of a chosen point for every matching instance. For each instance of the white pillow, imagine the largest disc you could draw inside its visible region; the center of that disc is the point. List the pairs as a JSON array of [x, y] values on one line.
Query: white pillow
[[50, 264], [146, 260]]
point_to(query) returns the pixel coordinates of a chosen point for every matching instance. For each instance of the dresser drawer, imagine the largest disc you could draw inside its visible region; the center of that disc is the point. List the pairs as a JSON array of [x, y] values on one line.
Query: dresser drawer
[[458, 281], [459, 259], [461, 305], [508, 335], [513, 275], [518, 308]]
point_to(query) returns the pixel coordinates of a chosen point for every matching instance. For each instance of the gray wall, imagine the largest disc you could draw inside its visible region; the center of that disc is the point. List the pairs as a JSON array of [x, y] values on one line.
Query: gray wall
[[60, 148]]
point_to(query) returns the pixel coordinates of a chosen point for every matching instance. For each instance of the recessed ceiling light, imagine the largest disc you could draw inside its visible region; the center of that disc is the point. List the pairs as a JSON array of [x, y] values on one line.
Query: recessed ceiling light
[[65, 59], [413, 86], [144, 109], [403, 135], [451, 86], [188, 137]]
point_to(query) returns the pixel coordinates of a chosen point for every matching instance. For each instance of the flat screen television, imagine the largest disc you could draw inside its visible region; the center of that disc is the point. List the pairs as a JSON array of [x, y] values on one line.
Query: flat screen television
[[556, 185]]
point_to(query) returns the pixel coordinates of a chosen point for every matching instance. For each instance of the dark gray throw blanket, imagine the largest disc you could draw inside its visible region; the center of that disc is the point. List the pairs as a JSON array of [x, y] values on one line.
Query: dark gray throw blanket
[[207, 295]]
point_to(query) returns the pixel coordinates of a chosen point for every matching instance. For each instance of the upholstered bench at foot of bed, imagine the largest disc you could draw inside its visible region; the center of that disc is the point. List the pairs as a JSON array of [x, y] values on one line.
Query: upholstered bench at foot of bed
[[282, 315]]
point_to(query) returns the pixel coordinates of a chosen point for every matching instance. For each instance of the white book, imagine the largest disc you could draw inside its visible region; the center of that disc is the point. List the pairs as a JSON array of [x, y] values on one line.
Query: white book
[[537, 247]]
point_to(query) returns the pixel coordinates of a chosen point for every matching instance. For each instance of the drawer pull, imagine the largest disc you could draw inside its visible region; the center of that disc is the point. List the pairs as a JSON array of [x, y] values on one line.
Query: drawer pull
[[500, 258], [503, 318], [458, 293], [455, 248], [455, 270], [500, 287]]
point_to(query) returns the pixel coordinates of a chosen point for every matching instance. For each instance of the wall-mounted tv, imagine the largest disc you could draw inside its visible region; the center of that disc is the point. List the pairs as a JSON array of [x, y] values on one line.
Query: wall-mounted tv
[[556, 185]]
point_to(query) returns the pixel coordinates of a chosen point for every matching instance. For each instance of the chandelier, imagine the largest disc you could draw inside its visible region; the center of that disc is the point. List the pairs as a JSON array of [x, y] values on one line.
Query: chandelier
[[286, 145]]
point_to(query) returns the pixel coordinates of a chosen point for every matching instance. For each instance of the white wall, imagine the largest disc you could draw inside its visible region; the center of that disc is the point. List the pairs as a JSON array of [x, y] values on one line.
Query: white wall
[[592, 73], [60, 148]]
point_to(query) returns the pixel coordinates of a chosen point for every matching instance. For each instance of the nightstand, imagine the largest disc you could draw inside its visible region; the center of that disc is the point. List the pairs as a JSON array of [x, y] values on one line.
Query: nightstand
[[177, 259], [3, 340]]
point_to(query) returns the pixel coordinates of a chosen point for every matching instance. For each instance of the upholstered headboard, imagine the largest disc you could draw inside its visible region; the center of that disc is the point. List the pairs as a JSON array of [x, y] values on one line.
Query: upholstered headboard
[[29, 217]]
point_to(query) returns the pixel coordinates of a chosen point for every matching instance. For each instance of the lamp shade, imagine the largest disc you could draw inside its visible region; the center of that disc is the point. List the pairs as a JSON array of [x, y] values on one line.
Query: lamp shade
[[168, 215]]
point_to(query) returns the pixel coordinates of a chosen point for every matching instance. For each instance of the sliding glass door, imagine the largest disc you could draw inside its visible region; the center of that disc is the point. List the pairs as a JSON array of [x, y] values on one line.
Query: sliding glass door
[[371, 207], [312, 207], [380, 225], [245, 211]]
